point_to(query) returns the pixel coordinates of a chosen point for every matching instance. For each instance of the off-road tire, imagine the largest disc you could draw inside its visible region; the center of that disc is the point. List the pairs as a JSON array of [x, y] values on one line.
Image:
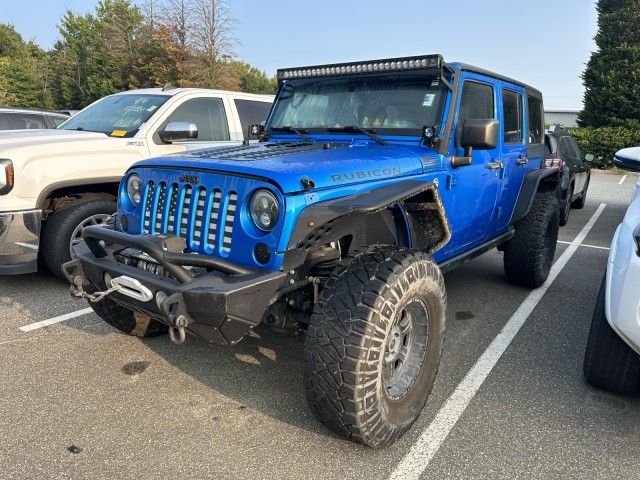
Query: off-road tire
[[565, 207], [57, 232], [346, 343], [528, 256], [579, 202], [609, 363], [126, 320]]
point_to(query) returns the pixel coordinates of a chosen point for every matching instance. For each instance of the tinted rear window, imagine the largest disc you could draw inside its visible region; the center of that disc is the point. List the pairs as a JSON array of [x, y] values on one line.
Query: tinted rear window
[[251, 113]]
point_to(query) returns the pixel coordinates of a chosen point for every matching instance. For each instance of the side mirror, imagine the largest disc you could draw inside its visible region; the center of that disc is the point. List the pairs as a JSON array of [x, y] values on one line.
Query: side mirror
[[628, 158], [179, 132], [589, 157], [256, 130], [481, 134]]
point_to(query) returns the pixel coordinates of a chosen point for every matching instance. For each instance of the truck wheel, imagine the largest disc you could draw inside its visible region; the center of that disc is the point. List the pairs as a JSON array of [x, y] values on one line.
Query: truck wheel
[[580, 201], [609, 363], [565, 207], [373, 344], [529, 254], [64, 229], [126, 320]]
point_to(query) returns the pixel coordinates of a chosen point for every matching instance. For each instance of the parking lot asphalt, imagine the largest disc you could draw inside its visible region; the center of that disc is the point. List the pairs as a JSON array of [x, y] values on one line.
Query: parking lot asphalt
[[150, 409]]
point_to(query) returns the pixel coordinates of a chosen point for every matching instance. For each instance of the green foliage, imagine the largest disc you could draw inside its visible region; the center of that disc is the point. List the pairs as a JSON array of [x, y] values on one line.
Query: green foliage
[[253, 80], [23, 71], [611, 78], [604, 142], [117, 47]]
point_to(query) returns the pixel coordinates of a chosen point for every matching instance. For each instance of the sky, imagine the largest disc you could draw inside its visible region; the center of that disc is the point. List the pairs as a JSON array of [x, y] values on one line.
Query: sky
[[545, 43]]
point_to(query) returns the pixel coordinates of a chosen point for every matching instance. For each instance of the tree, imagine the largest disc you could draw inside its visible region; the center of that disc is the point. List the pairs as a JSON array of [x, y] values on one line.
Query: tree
[[24, 74], [252, 80], [177, 18], [213, 40], [189, 43], [612, 76]]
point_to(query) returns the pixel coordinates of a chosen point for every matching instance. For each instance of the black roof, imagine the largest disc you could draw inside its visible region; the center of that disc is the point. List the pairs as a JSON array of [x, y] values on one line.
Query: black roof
[[472, 68]]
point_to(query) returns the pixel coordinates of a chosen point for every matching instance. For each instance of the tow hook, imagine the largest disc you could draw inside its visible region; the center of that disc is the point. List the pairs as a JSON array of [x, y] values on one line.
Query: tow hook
[[176, 312]]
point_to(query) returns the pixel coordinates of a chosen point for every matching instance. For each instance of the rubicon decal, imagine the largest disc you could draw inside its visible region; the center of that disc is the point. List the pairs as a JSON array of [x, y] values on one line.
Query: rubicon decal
[[383, 172]]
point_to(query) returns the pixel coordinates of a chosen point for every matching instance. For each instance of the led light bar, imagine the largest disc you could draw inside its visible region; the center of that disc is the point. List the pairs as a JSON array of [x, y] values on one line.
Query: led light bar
[[372, 66]]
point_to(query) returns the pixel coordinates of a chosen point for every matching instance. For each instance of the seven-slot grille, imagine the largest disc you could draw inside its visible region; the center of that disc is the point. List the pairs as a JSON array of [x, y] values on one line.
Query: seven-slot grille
[[196, 214]]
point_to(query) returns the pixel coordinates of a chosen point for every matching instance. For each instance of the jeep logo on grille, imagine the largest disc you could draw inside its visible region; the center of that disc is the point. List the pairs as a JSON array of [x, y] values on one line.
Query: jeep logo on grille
[[192, 179]]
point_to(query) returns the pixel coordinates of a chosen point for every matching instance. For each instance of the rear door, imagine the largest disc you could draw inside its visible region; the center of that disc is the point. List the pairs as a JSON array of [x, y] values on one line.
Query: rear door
[[514, 151], [250, 112]]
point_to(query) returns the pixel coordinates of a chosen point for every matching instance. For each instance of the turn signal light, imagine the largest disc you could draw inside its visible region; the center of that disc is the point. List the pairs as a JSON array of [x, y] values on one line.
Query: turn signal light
[[6, 176]]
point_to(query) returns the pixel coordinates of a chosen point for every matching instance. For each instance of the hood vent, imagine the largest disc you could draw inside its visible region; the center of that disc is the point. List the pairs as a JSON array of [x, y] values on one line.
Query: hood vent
[[261, 151]]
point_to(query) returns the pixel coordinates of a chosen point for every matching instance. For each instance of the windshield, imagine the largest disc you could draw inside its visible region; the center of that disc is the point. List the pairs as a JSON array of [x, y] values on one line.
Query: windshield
[[116, 115], [399, 104]]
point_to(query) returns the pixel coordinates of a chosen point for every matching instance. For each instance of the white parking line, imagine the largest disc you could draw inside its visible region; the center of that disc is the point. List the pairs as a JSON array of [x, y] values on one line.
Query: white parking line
[[429, 442], [585, 245], [58, 319], [624, 177]]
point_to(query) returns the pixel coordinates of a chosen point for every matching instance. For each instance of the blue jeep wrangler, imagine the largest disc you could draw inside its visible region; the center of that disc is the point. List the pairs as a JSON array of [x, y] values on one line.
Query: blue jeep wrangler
[[368, 181]]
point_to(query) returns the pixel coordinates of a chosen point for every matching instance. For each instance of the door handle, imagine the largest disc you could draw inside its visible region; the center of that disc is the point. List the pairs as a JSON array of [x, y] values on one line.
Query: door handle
[[495, 165], [522, 161]]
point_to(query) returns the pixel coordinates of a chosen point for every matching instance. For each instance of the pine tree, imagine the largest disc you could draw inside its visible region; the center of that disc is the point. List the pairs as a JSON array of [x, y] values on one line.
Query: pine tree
[[612, 76], [23, 71]]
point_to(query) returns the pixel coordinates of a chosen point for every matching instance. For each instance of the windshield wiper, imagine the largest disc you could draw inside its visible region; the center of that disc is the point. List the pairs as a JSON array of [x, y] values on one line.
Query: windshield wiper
[[288, 128], [368, 132]]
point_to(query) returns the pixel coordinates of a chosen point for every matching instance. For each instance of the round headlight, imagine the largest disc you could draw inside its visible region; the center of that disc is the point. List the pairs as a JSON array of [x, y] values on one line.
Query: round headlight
[[265, 210], [134, 188]]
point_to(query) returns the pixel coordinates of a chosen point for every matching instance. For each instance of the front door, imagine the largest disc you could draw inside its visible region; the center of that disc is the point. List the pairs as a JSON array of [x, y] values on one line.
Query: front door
[[210, 117], [472, 190]]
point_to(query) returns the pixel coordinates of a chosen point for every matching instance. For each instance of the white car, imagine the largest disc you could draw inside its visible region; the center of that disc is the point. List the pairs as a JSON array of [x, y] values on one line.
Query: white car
[[612, 358], [55, 182]]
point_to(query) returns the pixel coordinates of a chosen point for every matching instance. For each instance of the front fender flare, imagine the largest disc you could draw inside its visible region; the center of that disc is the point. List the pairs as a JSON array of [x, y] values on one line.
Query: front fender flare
[[416, 201]]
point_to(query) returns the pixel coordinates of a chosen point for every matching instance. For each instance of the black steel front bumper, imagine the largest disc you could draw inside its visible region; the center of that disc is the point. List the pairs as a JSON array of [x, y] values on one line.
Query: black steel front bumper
[[221, 305]]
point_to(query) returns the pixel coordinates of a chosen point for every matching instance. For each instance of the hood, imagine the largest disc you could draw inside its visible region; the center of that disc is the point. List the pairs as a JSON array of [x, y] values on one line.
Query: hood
[[325, 164], [10, 139]]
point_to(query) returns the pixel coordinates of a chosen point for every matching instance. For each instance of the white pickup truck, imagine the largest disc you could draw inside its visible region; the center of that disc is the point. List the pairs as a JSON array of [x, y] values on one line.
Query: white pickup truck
[[53, 183]]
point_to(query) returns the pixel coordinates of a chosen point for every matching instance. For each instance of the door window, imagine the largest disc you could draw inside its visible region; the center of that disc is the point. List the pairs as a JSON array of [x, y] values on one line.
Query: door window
[[512, 106], [22, 121], [577, 153], [251, 113], [208, 114], [476, 102], [535, 120]]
